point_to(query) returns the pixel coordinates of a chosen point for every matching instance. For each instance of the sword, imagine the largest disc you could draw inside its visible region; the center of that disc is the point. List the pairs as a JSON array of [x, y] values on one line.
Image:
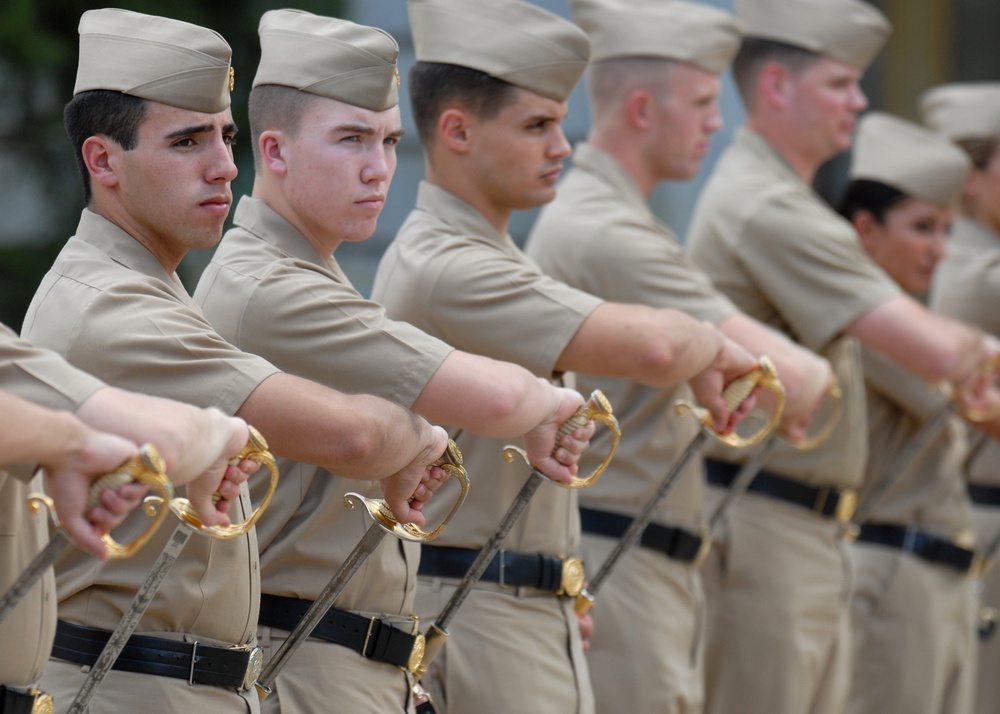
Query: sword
[[597, 409], [146, 467], [382, 522], [765, 375], [255, 450]]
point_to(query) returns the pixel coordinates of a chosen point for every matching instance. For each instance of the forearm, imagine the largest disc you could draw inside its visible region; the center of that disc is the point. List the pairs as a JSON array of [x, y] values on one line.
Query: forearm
[[355, 436], [33, 434], [486, 396]]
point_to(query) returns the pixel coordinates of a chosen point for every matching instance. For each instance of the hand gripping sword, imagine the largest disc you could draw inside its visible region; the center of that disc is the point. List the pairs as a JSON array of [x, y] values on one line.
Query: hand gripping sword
[[146, 467], [764, 375], [596, 409], [255, 450], [382, 522]]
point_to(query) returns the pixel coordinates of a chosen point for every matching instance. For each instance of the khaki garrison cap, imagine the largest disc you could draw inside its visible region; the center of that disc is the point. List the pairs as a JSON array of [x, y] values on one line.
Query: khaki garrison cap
[[968, 110], [910, 158], [848, 31], [511, 40], [154, 58], [332, 58], [701, 35]]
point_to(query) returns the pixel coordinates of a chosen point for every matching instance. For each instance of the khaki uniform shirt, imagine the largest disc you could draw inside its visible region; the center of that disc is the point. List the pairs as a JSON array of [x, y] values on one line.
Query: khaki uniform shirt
[[44, 378], [108, 306], [967, 287], [600, 236], [269, 292], [771, 244], [930, 494], [449, 272]]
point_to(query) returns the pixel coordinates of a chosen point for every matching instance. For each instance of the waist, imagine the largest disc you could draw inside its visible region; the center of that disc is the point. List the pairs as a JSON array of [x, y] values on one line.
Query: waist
[[828, 501], [929, 547], [556, 574], [234, 667], [675, 543], [372, 637], [984, 495], [24, 701]]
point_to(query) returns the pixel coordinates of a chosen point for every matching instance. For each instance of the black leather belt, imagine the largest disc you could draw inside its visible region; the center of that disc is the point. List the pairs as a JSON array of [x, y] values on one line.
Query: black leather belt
[[932, 548], [984, 495], [676, 543], [370, 637], [827, 501], [551, 573], [229, 667], [19, 701]]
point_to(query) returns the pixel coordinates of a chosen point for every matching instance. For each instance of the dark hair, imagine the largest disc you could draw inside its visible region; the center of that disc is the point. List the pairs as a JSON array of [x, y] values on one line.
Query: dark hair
[[981, 151], [433, 86], [755, 52], [274, 106], [106, 113], [872, 196]]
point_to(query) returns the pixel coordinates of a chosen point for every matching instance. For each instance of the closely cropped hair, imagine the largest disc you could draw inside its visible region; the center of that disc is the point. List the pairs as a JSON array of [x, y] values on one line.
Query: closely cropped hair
[[106, 113], [872, 196], [981, 151], [755, 53], [433, 86], [611, 80], [274, 106]]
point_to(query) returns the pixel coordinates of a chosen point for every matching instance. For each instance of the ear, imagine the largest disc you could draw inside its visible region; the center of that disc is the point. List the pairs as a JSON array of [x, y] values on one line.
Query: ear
[[775, 84], [639, 109], [865, 225], [99, 156], [271, 147], [454, 126]]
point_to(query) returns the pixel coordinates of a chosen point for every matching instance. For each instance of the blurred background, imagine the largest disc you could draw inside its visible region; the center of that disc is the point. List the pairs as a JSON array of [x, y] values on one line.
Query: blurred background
[[934, 41]]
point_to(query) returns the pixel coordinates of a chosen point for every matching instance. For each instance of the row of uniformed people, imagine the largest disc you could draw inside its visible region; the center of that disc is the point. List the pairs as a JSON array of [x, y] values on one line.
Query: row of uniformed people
[[452, 262]]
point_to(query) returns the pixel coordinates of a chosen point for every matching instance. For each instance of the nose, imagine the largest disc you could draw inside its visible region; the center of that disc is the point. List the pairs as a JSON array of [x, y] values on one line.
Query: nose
[[222, 167], [378, 167], [714, 121], [560, 147], [859, 102]]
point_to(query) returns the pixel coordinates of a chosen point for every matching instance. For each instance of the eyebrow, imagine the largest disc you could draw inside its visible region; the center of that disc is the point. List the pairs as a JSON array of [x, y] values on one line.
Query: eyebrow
[[365, 129], [229, 128]]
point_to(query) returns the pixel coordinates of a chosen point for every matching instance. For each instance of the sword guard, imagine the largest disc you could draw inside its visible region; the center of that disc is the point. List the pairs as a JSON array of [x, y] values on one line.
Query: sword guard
[[147, 468], [978, 416], [765, 375], [383, 517], [255, 450], [598, 409]]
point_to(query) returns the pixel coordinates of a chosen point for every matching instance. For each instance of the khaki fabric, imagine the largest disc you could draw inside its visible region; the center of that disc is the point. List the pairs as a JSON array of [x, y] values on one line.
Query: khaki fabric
[[774, 247], [986, 520], [450, 273], [109, 307], [914, 635], [963, 110], [43, 377]]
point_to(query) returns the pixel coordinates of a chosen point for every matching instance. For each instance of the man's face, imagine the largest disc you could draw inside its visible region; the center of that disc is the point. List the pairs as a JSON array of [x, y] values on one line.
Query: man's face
[[910, 242], [687, 116], [984, 189], [826, 100], [339, 167], [173, 189], [517, 156]]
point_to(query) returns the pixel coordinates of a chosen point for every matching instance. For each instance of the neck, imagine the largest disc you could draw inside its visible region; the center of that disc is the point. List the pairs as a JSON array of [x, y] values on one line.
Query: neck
[[469, 191], [784, 140], [630, 155]]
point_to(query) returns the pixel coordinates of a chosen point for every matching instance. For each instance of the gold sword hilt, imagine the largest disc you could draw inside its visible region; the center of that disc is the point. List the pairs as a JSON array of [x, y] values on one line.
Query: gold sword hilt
[[978, 416], [764, 375], [255, 450], [598, 409], [147, 468], [836, 398], [451, 462]]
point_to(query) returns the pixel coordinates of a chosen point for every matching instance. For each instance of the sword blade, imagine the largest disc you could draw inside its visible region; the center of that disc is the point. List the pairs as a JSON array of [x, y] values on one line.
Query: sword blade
[[744, 477], [365, 547], [143, 597], [58, 545]]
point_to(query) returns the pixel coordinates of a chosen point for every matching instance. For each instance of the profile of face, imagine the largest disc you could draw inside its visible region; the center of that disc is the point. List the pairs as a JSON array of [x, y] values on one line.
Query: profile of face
[[684, 120], [909, 243], [826, 99], [982, 193]]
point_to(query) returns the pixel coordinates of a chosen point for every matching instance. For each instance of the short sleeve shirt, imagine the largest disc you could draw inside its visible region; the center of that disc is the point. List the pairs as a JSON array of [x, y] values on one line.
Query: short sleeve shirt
[[599, 235], [453, 275], [269, 292], [967, 287], [774, 247], [109, 307]]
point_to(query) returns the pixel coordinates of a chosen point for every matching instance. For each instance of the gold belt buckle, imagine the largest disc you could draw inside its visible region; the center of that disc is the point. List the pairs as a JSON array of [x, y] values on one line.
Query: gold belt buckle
[[43, 703], [573, 576], [847, 504], [255, 664]]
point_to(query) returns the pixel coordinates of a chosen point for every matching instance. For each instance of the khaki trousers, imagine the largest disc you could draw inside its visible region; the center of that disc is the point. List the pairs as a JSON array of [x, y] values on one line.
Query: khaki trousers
[[510, 650], [129, 692], [646, 653], [776, 586], [913, 635], [324, 677], [986, 520]]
